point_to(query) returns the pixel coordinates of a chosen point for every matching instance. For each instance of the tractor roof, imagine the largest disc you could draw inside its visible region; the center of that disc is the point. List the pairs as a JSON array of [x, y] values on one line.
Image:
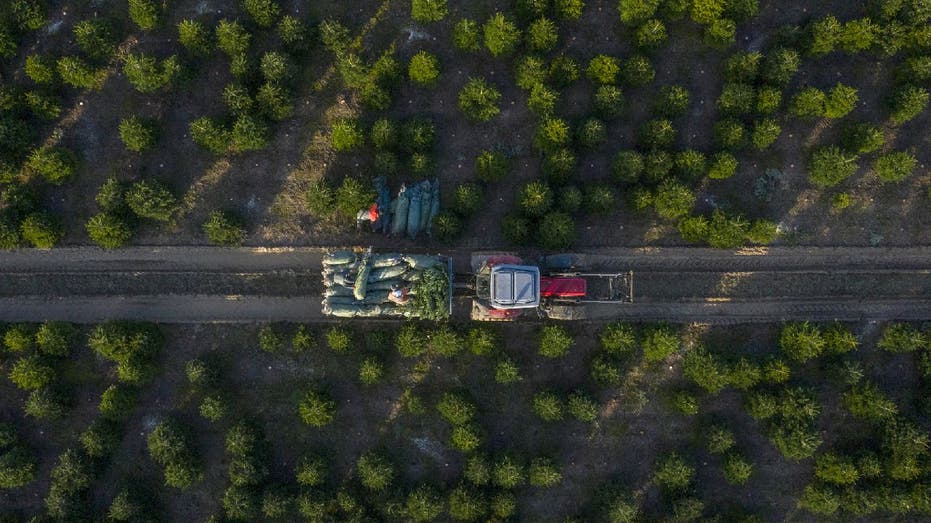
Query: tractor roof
[[515, 286]]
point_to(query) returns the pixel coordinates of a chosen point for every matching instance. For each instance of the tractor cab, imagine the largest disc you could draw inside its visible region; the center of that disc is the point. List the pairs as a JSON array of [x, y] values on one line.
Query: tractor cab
[[514, 287]]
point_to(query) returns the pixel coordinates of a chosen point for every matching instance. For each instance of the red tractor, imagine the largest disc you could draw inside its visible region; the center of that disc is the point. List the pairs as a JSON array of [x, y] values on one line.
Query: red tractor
[[506, 288]]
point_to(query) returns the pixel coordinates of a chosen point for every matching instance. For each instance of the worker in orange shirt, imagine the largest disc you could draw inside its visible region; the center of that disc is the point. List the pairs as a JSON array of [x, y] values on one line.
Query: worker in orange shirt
[[367, 215]]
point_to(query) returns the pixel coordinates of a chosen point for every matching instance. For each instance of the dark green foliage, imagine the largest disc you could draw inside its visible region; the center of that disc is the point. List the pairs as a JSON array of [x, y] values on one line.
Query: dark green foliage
[[316, 409], [468, 199], [423, 504], [659, 342], [311, 471], [101, 438], [543, 473], [765, 133], [672, 101], [651, 34], [808, 102], [501, 35], [857, 35], [768, 100], [41, 230], [657, 134], [690, 164], [730, 134], [346, 134], [637, 71], [18, 467], [375, 471], [634, 12], [535, 198], [736, 99], [147, 75], [705, 369], [901, 337], [548, 406], [780, 65], [673, 473], [223, 228], [508, 472], [138, 134], [530, 72], [232, 38], [719, 439], [907, 103], [721, 33], [895, 166], [210, 135], [132, 346], [840, 101], [656, 166], [824, 35], [592, 133], [117, 402], [110, 196], [45, 106], [78, 74], [55, 338], [581, 407], [466, 504], [447, 227], [609, 101], [263, 12], [95, 38], [31, 372], [605, 371], [599, 199], [418, 134], [559, 166], [542, 35], [45, 403], [861, 138], [556, 231], [568, 9], [673, 200], [627, 167], [170, 446], [276, 67], [54, 164], [829, 166], [516, 229], [151, 199], [743, 67], [145, 13], [351, 196], [479, 100], [491, 166], [563, 71], [425, 11], [424, 69], [40, 69], [195, 37], [737, 470], [836, 469], [555, 341], [467, 35], [618, 338], [270, 339], [603, 69], [801, 341]]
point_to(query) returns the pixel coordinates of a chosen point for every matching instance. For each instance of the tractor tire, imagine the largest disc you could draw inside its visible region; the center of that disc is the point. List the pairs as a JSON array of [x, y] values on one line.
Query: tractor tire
[[565, 312]]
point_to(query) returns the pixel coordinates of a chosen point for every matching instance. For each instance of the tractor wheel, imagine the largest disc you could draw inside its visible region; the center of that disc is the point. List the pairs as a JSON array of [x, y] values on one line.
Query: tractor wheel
[[565, 312]]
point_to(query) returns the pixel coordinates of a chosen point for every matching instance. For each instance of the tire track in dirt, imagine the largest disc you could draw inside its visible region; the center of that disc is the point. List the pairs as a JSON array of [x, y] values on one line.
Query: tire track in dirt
[[207, 284]]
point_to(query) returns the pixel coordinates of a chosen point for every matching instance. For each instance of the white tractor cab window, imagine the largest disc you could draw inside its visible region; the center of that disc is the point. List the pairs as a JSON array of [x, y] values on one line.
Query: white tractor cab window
[[515, 286]]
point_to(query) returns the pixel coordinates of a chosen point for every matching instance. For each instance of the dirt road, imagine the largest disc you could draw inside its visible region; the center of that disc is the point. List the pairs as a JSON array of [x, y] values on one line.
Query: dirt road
[[204, 284]]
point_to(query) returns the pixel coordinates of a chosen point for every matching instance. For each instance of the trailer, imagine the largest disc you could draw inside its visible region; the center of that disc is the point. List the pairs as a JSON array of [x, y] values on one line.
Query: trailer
[[500, 286]]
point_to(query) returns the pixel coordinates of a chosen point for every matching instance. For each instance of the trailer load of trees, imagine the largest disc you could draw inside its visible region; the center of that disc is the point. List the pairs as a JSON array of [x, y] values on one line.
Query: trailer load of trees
[[359, 285]]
